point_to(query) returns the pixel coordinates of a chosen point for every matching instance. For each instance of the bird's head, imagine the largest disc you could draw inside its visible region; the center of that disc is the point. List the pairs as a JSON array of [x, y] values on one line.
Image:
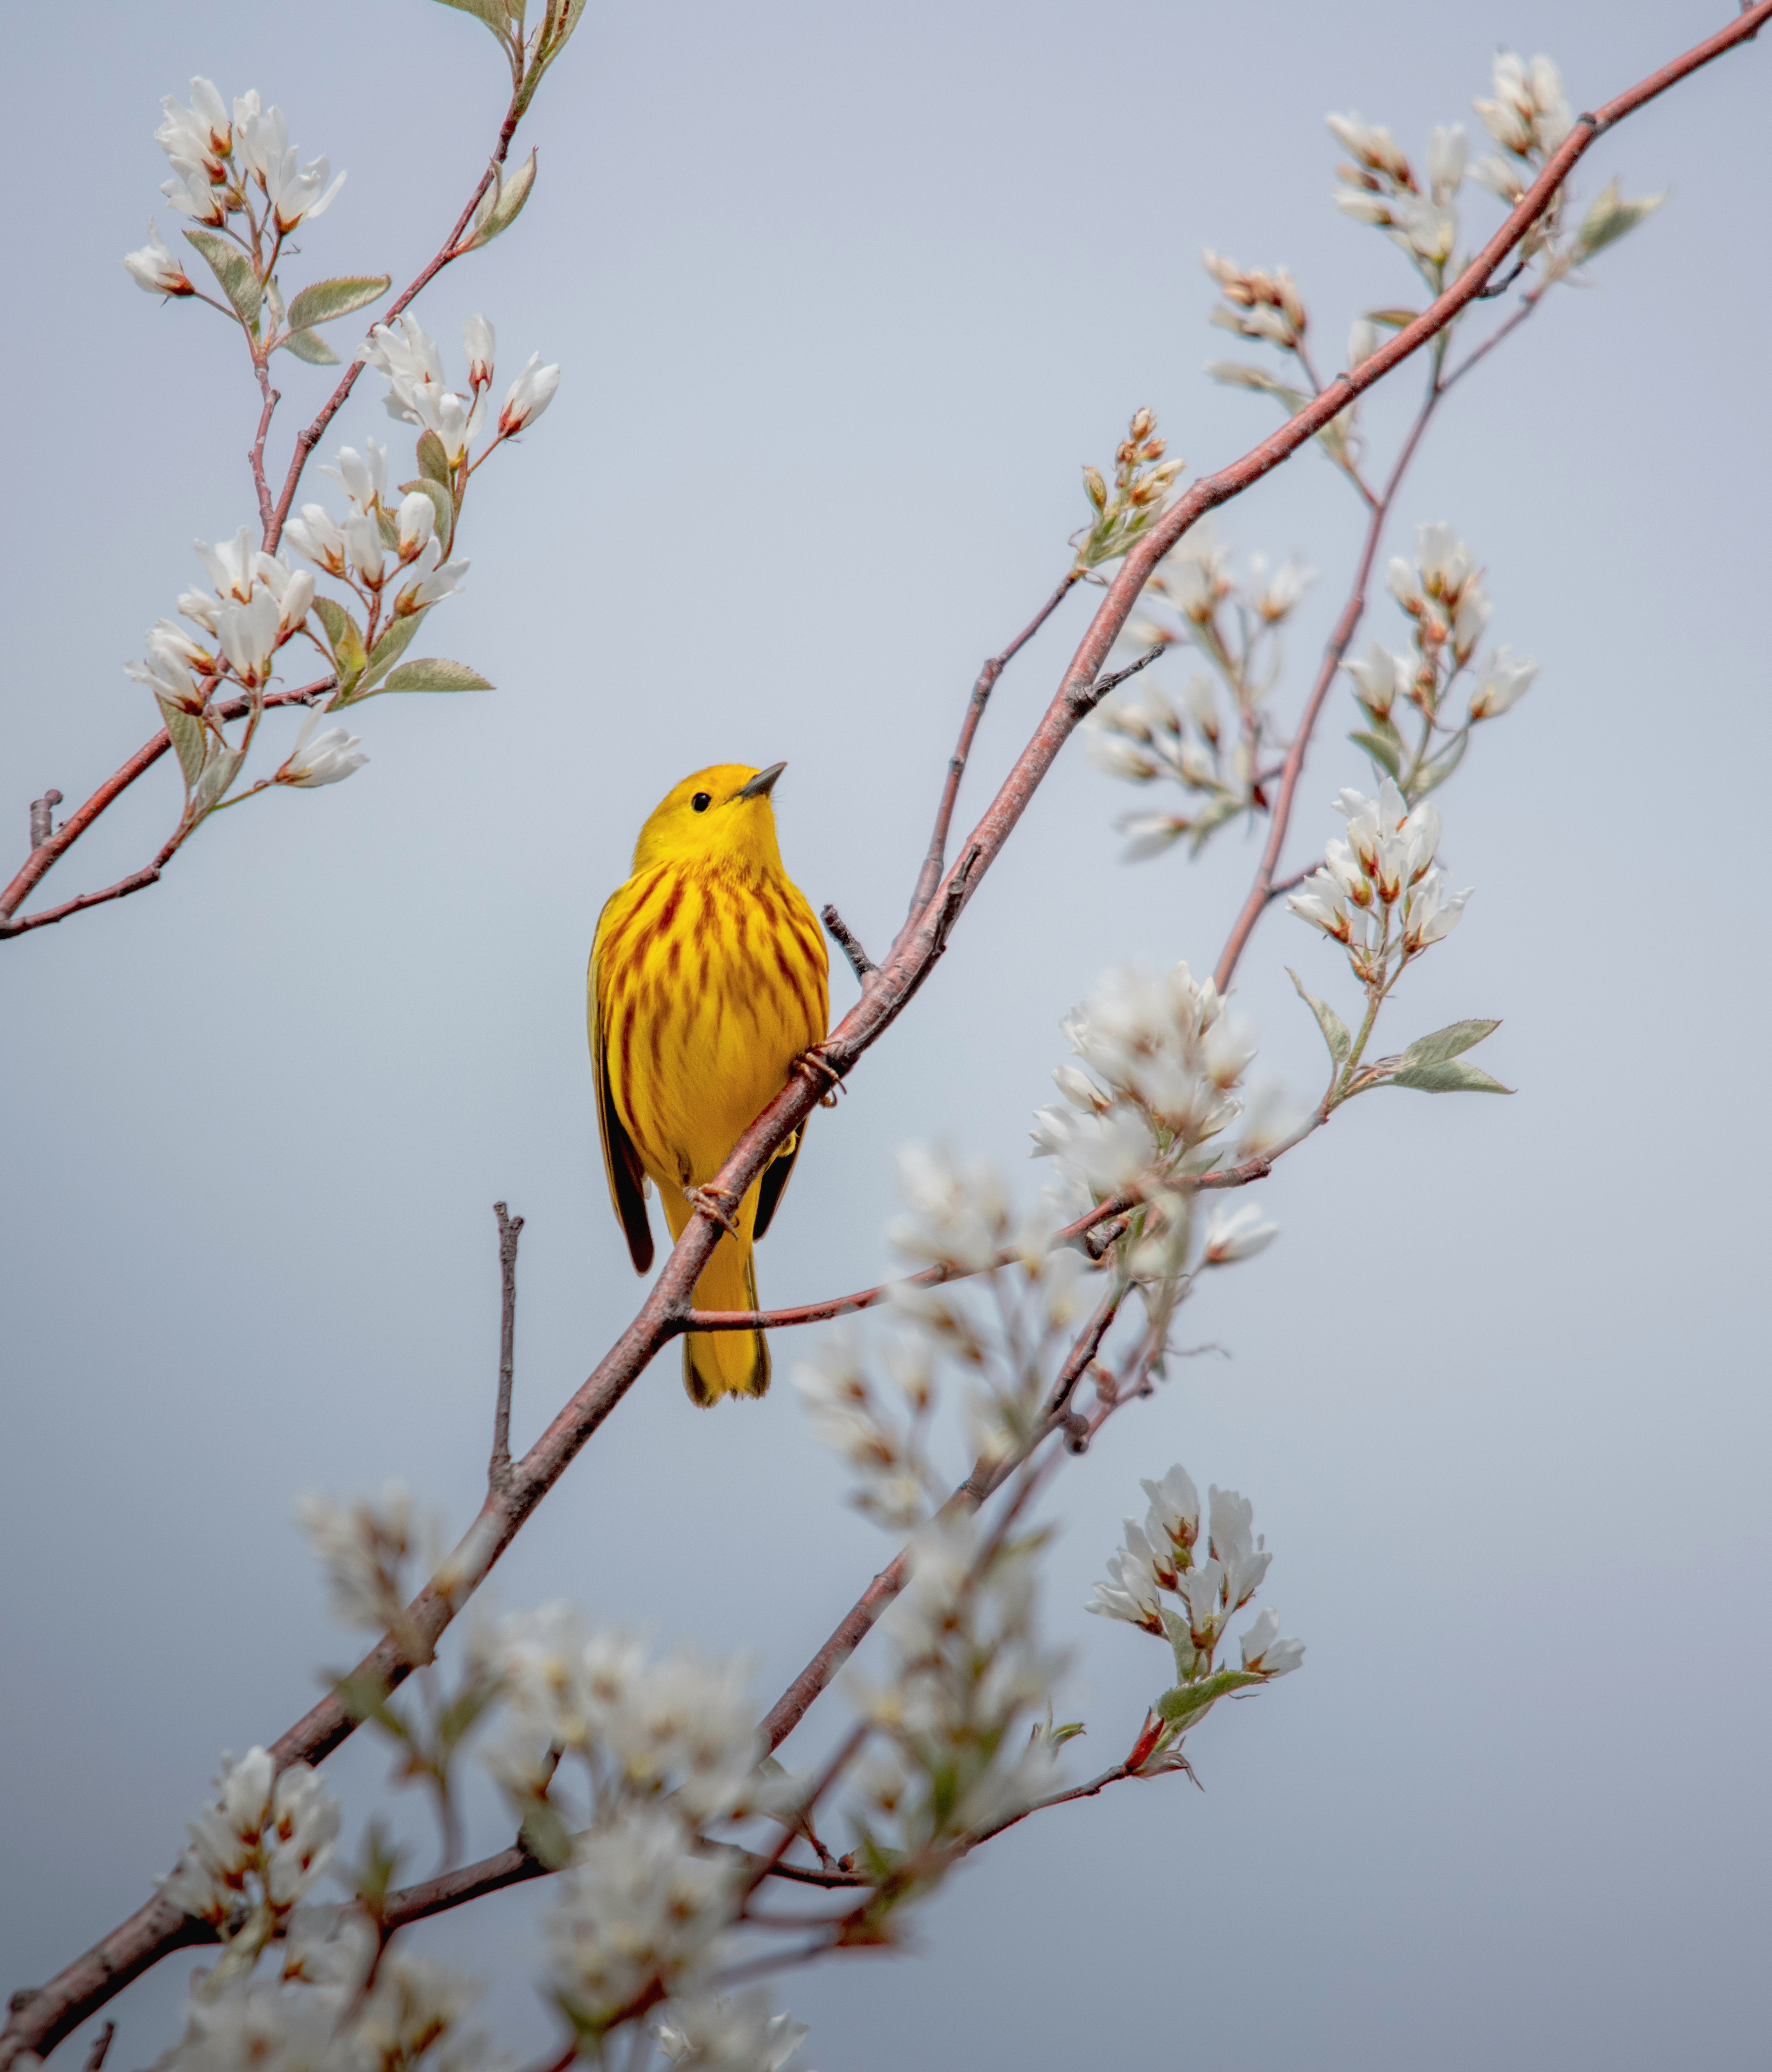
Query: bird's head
[[718, 816]]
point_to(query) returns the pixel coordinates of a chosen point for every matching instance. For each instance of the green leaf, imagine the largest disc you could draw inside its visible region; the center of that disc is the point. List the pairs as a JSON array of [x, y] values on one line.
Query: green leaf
[[273, 301], [1452, 1075], [1335, 1035], [442, 502], [1397, 319], [189, 736], [1448, 1042], [219, 772], [457, 1719], [432, 459], [1382, 751], [345, 637], [544, 1834], [1184, 1705], [1609, 217], [389, 529], [506, 196], [1432, 775], [1180, 1639], [435, 676], [394, 641], [321, 301], [491, 12], [239, 283], [309, 346], [1237, 374]]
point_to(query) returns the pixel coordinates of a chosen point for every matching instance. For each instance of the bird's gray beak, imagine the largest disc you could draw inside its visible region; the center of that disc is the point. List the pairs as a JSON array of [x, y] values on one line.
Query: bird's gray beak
[[762, 784]]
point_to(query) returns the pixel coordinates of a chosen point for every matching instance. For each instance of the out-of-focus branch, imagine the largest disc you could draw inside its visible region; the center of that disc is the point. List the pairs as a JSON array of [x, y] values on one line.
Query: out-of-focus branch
[[510, 1230], [54, 2010]]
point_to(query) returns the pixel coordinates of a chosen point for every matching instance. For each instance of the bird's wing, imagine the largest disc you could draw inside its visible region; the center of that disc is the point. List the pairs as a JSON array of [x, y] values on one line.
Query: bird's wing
[[621, 1160], [774, 1183]]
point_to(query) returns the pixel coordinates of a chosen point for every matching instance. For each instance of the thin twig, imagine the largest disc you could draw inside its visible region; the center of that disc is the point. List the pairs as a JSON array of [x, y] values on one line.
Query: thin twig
[[929, 876], [156, 1928], [101, 2045], [860, 962], [510, 1230]]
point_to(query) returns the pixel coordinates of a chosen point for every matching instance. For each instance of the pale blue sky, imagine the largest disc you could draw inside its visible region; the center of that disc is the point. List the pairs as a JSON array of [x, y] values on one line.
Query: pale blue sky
[[844, 297]]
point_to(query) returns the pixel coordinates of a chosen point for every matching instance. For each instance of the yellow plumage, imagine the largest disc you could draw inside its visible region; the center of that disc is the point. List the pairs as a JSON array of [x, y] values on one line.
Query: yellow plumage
[[708, 977]]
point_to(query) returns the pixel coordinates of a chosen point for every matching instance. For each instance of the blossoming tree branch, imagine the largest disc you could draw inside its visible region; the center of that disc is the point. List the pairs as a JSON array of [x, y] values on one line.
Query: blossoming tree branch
[[685, 1864]]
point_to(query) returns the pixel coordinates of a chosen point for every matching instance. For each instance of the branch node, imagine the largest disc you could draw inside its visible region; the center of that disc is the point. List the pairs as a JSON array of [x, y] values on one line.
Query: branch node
[[42, 818]]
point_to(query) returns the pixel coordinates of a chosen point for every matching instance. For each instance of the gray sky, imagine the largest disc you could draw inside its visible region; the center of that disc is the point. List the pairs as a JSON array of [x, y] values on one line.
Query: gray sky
[[844, 297]]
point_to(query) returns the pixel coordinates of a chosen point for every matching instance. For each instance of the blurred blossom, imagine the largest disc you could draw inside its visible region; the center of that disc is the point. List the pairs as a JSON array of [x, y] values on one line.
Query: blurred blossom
[[1234, 1234], [257, 1849], [156, 268], [365, 1546], [1529, 115], [1505, 680], [740, 2035], [1380, 678], [1448, 151]]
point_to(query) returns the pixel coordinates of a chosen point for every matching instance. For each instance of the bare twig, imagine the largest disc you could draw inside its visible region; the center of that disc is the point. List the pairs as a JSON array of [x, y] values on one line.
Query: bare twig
[[510, 1230], [929, 876], [140, 1942], [860, 962], [42, 818], [101, 2045]]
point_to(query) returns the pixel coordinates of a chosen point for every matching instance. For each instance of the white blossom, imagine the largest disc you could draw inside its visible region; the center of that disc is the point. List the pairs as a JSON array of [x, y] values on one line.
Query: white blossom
[[1529, 115], [201, 132], [325, 758], [1234, 1234], [260, 1842], [959, 1214], [1235, 1543], [364, 481], [191, 193], [231, 566], [711, 2035], [1371, 143], [479, 341], [1379, 680], [530, 394], [318, 535], [363, 546], [294, 192], [1448, 151], [1321, 901], [417, 392], [1505, 680], [1432, 912], [433, 579], [248, 636], [156, 268], [1265, 1653], [1132, 1592], [1363, 339], [362, 1546]]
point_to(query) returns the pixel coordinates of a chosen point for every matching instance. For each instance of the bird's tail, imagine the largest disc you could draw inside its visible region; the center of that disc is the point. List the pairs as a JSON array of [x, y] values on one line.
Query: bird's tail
[[716, 1363]]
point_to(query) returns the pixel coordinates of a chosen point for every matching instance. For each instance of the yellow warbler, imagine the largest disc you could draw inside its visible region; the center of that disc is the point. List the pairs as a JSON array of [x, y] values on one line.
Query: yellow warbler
[[708, 979]]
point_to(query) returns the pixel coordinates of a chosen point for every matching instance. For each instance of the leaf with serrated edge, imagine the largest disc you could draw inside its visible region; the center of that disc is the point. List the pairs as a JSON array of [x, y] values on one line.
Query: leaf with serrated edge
[[1335, 1035], [1452, 1075], [222, 768], [435, 676], [187, 735], [1183, 1706], [1448, 1042], [321, 301], [432, 459], [239, 283], [442, 502], [388, 649], [309, 346]]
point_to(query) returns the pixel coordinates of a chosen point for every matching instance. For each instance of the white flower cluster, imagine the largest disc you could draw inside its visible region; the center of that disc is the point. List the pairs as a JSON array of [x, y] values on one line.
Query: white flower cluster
[[1158, 1560], [1166, 1060], [1233, 623], [1003, 1335], [419, 393], [218, 159], [356, 549], [320, 2016], [661, 1751], [1529, 117], [363, 1548], [968, 1672], [1257, 304], [259, 602], [256, 1849], [1379, 892], [1380, 186]]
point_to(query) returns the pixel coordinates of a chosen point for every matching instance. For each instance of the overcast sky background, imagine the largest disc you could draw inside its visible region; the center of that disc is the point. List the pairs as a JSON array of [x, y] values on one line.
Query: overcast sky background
[[844, 297]]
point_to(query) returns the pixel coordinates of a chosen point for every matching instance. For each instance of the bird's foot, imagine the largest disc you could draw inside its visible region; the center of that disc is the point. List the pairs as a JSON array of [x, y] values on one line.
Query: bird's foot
[[812, 1064], [719, 1203]]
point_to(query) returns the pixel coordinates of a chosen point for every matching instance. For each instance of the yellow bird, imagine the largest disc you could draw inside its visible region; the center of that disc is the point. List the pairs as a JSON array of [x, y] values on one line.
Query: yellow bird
[[708, 979]]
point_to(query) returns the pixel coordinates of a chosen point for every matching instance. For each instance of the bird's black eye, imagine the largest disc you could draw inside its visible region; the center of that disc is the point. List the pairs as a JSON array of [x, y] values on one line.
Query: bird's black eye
[[701, 802]]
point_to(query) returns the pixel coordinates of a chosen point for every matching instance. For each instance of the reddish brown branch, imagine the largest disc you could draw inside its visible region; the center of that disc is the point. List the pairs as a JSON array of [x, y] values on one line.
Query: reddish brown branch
[[49, 2014]]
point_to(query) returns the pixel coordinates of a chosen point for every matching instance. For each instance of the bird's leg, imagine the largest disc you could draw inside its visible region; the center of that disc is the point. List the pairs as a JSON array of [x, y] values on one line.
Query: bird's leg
[[719, 1203], [812, 1064]]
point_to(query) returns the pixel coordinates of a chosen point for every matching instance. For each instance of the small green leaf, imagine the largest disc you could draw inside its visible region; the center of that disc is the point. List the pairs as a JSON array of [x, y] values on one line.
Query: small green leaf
[[1609, 217], [544, 1834], [457, 1719], [394, 641], [309, 346], [1383, 752], [321, 301], [1335, 1035], [441, 501], [1452, 1075], [491, 12], [219, 772], [229, 265], [1397, 319], [1181, 1640], [432, 459], [188, 735], [273, 301], [345, 637], [1183, 1706], [389, 531], [1447, 1042], [1239, 374], [1432, 775], [511, 192], [435, 676]]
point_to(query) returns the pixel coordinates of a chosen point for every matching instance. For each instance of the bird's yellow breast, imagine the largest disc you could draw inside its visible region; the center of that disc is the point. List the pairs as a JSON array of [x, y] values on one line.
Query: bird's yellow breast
[[711, 979]]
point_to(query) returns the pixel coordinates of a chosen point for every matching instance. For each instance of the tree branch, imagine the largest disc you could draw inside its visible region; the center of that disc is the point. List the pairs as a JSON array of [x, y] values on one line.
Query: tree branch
[[510, 1230], [838, 929], [52, 2011]]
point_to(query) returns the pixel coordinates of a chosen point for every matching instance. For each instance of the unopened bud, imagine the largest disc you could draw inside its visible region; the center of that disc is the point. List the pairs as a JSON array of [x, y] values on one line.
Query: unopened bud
[[1143, 424], [1095, 487]]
